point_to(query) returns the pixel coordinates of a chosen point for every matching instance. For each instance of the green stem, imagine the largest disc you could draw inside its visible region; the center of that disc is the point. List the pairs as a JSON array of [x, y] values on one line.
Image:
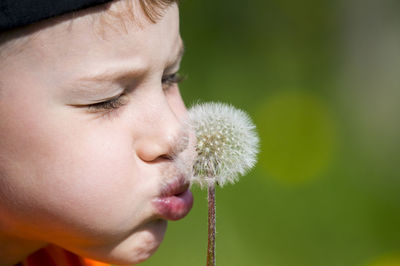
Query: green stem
[[211, 226]]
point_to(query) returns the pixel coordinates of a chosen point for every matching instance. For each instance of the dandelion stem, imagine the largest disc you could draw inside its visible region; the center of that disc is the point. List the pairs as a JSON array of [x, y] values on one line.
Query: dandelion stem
[[211, 226]]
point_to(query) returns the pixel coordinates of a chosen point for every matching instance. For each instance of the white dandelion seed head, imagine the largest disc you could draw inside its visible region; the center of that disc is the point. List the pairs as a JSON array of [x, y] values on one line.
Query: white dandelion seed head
[[227, 143]]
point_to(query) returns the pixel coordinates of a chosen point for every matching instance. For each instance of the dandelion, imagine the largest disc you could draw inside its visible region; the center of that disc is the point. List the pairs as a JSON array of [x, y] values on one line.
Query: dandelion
[[227, 146]]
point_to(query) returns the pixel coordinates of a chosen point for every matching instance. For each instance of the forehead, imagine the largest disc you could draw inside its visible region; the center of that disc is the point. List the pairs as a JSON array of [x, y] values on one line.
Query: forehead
[[103, 36]]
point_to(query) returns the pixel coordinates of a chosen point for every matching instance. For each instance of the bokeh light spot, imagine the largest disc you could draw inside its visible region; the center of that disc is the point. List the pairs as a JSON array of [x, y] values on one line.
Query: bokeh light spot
[[298, 133], [386, 260]]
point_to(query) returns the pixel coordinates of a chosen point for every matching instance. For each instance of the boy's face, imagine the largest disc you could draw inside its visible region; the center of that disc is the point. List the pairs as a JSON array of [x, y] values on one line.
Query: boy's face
[[78, 170]]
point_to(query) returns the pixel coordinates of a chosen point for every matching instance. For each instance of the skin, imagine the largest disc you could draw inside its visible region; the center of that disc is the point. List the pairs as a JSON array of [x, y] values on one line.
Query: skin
[[79, 176]]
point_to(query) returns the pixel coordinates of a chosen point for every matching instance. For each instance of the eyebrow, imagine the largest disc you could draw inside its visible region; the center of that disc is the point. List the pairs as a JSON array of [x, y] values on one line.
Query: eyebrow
[[123, 73]]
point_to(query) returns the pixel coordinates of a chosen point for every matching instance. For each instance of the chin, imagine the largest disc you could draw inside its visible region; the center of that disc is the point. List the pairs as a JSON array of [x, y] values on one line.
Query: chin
[[140, 245]]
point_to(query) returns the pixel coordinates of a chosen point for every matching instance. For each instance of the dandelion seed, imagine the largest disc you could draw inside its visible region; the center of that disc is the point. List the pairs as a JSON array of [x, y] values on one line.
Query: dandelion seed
[[228, 134]]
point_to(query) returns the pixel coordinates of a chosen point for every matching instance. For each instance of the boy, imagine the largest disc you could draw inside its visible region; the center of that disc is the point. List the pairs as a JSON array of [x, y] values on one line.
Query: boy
[[94, 154]]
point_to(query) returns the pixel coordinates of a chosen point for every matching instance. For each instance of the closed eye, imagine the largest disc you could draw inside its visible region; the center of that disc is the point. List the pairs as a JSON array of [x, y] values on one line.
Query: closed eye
[[114, 103], [108, 105], [171, 79]]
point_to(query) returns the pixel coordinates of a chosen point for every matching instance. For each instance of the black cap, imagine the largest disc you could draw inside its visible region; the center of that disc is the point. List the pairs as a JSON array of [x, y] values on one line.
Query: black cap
[[16, 13]]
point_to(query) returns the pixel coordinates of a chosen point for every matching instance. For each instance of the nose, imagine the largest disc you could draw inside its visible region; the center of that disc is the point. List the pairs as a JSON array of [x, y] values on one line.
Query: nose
[[164, 135]]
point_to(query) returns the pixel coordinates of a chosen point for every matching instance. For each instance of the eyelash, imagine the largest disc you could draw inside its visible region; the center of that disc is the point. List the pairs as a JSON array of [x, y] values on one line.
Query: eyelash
[[112, 104], [169, 80], [108, 105]]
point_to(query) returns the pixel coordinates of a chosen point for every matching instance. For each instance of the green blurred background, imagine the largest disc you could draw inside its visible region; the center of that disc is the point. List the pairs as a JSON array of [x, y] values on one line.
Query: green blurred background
[[321, 80]]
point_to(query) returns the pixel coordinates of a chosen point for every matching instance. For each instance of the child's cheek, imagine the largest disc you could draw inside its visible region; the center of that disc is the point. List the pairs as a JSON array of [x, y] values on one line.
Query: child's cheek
[[102, 176], [65, 173]]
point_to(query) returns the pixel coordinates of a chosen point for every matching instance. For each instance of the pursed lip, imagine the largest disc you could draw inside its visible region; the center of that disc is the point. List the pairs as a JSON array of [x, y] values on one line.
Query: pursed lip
[[175, 200]]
